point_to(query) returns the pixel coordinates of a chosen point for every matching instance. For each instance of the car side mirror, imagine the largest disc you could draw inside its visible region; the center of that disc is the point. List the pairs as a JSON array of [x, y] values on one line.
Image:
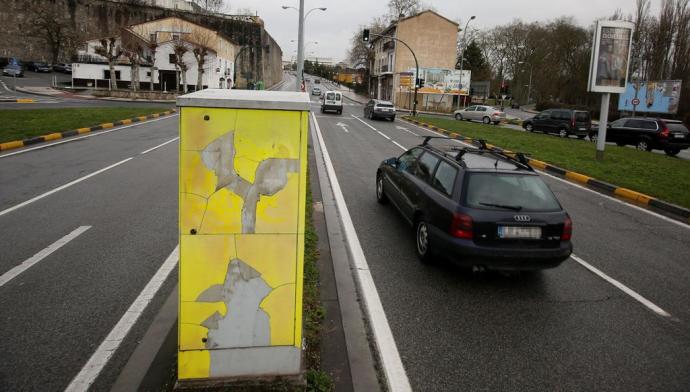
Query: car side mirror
[[392, 161]]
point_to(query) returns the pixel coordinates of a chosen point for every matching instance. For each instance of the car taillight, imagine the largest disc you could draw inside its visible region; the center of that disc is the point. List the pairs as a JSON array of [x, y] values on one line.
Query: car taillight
[[665, 132], [461, 226], [572, 122], [567, 229], [497, 113]]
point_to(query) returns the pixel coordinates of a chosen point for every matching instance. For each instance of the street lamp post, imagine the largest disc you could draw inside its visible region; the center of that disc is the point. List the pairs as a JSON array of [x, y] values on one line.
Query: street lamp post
[[462, 57], [529, 89], [299, 81]]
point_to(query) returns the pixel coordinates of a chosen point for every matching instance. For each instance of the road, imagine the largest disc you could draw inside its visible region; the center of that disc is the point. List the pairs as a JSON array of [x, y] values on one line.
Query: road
[[58, 311], [565, 329]]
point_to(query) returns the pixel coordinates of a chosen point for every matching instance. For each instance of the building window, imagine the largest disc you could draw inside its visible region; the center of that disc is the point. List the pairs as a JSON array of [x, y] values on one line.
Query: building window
[[176, 37], [172, 58], [148, 73], [152, 37], [106, 74]]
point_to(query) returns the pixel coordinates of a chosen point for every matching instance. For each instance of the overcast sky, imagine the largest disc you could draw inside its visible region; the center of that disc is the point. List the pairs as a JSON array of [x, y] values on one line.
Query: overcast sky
[[333, 28]]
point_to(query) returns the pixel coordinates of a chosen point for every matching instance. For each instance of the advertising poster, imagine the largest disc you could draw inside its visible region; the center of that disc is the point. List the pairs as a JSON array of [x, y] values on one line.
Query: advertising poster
[[651, 97], [610, 57], [442, 81]]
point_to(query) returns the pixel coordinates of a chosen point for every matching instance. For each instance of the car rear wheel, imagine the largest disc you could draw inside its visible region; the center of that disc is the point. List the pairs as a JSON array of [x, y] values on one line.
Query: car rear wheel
[[423, 246], [644, 144], [486, 120], [380, 194], [529, 127], [672, 152], [458, 117], [562, 132]]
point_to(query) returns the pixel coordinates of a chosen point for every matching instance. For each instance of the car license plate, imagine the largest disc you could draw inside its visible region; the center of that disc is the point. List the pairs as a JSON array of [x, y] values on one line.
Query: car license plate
[[519, 232], [678, 135], [582, 129]]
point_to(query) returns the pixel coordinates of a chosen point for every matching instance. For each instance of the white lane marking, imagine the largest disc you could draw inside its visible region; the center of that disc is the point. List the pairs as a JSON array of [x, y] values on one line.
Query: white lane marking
[[28, 263], [644, 301], [158, 146], [58, 189], [97, 133], [110, 344], [385, 343], [383, 134], [363, 122], [343, 126], [405, 129], [399, 145], [610, 198]]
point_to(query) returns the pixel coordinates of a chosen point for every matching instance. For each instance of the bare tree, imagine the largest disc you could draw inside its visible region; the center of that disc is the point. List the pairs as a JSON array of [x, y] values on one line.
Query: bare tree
[[134, 54], [48, 22], [112, 51], [398, 9], [180, 48], [210, 6], [201, 41]]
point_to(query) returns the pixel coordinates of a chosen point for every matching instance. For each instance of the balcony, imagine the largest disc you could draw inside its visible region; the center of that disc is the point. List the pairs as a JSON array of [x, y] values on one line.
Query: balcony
[[390, 45], [384, 68]]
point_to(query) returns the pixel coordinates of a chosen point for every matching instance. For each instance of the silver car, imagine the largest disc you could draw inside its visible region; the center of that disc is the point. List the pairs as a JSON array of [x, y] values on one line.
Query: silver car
[[485, 114]]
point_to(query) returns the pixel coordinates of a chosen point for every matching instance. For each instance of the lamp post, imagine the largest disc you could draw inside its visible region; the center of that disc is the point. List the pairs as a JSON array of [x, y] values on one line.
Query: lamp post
[[299, 81], [462, 57], [529, 89]]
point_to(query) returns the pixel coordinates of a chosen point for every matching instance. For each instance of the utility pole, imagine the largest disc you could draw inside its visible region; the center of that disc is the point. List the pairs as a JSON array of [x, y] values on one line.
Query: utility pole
[[300, 48]]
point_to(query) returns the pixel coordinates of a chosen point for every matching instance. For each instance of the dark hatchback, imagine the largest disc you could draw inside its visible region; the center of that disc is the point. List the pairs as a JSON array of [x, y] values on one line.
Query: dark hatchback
[[476, 207], [647, 134]]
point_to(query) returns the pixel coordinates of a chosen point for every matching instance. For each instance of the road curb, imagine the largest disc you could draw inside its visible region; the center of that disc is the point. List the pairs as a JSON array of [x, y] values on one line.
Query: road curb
[[60, 135], [598, 185], [18, 100]]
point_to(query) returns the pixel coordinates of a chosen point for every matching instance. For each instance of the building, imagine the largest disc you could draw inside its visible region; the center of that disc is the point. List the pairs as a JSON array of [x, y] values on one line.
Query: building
[[157, 41], [432, 37]]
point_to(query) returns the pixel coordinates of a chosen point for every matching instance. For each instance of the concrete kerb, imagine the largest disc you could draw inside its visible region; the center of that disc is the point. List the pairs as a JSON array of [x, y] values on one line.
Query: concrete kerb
[[598, 185], [18, 100], [59, 135]]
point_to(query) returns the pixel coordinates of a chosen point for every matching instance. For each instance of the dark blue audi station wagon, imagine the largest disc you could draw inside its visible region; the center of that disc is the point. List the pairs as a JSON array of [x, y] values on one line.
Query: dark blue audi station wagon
[[476, 207]]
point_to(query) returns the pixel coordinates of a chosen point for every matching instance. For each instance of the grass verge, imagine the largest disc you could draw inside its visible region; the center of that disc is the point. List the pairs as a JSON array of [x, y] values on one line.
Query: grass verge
[[23, 124], [657, 175], [317, 380]]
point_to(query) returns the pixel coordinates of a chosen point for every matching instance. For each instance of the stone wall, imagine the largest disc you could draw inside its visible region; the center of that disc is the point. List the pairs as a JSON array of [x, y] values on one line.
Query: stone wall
[[91, 19]]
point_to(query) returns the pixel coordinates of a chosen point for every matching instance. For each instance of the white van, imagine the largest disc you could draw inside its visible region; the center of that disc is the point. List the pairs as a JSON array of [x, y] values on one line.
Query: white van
[[332, 100]]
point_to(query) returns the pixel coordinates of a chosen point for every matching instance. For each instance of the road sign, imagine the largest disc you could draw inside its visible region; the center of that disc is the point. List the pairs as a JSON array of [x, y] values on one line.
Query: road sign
[[636, 101]]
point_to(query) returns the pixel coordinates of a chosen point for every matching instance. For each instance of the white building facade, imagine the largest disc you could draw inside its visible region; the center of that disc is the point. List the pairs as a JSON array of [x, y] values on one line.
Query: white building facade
[[156, 41]]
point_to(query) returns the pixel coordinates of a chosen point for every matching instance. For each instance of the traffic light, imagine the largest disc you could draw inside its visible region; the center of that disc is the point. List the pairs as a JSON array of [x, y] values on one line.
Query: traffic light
[[420, 82], [365, 35]]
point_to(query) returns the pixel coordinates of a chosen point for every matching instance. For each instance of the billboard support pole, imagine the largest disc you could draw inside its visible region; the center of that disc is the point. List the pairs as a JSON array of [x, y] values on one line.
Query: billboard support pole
[[603, 120]]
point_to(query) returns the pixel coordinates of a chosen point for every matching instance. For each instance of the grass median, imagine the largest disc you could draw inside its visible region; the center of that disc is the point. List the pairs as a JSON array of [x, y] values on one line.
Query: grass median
[[24, 124], [657, 175]]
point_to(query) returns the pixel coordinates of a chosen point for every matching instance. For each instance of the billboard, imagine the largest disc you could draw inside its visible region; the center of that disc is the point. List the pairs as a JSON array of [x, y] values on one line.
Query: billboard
[[442, 81], [651, 97], [608, 72]]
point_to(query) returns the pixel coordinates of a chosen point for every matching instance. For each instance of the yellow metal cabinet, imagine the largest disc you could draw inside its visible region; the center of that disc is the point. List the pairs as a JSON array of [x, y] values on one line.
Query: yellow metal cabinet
[[242, 184]]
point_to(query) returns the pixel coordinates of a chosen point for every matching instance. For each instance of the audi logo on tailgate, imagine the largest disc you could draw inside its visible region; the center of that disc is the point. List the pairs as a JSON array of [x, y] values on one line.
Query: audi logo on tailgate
[[522, 218]]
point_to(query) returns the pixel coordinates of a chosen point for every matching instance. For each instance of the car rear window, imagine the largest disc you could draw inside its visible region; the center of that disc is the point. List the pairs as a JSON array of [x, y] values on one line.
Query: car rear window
[[581, 116], [677, 128], [523, 192]]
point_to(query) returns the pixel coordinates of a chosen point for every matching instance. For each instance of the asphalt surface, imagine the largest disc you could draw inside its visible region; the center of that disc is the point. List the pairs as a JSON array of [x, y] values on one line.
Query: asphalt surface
[[563, 329], [56, 313]]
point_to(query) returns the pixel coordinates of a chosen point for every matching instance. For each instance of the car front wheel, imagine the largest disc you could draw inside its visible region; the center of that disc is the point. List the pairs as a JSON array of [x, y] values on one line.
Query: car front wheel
[[644, 144], [458, 117], [380, 194], [423, 246], [529, 127]]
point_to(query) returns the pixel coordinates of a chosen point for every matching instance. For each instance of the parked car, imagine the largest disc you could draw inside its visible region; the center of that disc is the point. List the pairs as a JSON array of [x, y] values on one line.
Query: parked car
[[563, 122], [483, 113], [476, 207], [647, 134], [13, 70], [39, 67], [332, 100], [62, 67], [315, 91], [376, 108]]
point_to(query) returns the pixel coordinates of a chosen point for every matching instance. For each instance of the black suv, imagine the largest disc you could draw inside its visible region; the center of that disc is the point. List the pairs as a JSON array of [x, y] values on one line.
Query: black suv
[[649, 133], [564, 122], [477, 207]]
